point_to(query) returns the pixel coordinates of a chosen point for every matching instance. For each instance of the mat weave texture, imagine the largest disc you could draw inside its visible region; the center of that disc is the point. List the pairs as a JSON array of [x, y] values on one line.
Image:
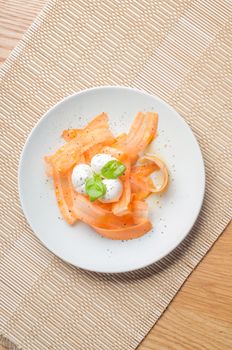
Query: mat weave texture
[[179, 50]]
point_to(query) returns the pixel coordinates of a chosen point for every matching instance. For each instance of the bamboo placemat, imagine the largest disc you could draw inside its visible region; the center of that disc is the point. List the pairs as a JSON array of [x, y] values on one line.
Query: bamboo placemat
[[179, 50]]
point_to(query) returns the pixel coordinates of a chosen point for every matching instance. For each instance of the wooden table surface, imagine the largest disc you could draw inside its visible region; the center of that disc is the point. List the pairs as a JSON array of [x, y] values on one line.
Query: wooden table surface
[[200, 316]]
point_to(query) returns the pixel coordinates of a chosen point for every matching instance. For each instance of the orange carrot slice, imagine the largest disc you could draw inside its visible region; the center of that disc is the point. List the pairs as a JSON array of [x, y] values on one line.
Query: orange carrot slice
[[121, 138], [122, 207], [141, 184], [144, 170], [162, 167], [64, 195], [97, 122], [93, 214], [69, 154], [140, 211], [141, 188], [125, 233], [114, 152], [140, 226], [70, 134], [142, 132]]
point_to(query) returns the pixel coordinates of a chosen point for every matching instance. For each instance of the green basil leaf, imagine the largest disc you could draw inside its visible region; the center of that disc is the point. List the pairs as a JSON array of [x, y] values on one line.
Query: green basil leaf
[[113, 169], [95, 188]]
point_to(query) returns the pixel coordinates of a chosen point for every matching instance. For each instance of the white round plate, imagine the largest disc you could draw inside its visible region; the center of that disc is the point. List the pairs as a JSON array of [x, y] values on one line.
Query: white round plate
[[172, 215]]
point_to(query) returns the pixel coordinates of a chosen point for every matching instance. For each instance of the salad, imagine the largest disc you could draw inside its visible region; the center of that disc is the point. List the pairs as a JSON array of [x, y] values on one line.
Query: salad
[[104, 180]]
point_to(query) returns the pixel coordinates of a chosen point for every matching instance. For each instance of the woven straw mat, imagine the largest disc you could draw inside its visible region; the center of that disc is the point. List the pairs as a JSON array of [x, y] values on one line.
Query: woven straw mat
[[179, 50]]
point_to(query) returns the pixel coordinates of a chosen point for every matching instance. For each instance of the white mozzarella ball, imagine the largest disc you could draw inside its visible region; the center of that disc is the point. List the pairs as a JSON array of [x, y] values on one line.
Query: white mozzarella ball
[[81, 189], [113, 190], [99, 160], [80, 174]]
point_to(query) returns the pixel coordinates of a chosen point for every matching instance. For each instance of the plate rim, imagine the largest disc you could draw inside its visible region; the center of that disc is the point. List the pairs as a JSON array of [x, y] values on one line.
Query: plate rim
[[116, 87]]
